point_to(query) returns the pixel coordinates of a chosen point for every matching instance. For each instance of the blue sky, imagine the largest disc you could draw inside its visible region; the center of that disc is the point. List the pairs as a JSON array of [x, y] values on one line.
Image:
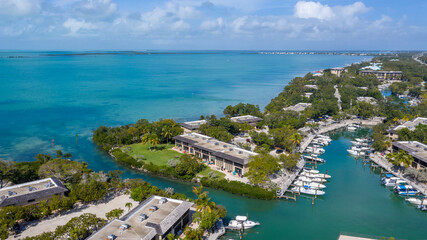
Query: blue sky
[[213, 24]]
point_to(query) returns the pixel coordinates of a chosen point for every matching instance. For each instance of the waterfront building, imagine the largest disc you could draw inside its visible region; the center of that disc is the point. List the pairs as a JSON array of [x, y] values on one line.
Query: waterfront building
[[31, 192], [383, 75], [192, 125], [249, 119], [311, 86], [223, 155], [338, 71], [299, 107], [414, 148], [411, 125], [153, 219]]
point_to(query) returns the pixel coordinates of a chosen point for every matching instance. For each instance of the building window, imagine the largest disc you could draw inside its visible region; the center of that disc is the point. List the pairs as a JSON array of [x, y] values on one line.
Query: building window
[[31, 200]]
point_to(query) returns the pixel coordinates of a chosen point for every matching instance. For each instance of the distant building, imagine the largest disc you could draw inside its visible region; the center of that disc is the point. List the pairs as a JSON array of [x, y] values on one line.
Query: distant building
[[411, 125], [299, 107], [192, 125], [383, 75], [311, 86], [249, 119], [414, 148], [338, 71], [223, 155], [370, 100], [31, 192], [153, 219]]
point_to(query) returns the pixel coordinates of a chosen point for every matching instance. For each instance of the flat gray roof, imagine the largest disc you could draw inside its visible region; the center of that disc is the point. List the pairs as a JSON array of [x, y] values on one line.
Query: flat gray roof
[[24, 192], [413, 148], [218, 148], [157, 223], [246, 118]]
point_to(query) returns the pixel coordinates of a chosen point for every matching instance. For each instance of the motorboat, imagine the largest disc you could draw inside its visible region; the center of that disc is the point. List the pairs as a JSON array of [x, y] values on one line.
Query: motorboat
[[417, 201], [393, 181], [315, 175], [422, 207], [405, 190], [353, 152], [314, 158], [312, 185], [241, 222], [308, 191], [317, 151], [309, 170], [309, 179], [323, 137]]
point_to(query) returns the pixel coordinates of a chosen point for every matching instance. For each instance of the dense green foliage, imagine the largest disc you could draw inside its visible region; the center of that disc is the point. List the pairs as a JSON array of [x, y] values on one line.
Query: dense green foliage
[[223, 128], [239, 188], [242, 109], [418, 134], [163, 130], [260, 166]]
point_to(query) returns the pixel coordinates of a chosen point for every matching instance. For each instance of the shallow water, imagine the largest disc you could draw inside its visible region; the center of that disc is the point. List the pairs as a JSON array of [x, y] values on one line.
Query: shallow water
[[56, 97]]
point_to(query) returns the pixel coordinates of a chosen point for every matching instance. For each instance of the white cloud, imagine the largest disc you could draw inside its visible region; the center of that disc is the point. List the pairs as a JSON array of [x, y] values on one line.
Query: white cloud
[[19, 8], [212, 25], [317, 10], [96, 9], [75, 25]]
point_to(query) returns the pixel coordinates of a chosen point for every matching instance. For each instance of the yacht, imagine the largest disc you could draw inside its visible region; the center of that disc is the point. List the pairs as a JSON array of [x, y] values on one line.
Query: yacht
[[312, 185], [393, 181], [239, 221], [308, 191], [417, 201], [309, 170], [309, 179], [315, 175], [314, 158], [405, 190]]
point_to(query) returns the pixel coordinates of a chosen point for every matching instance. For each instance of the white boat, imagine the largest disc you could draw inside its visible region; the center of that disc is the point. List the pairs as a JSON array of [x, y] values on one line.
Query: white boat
[[312, 185], [314, 158], [315, 175], [361, 140], [308, 191], [393, 181], [239, 221], [353, 152], [351, 128], [417, 201], [309, 170], [309, 179], [323, 137]]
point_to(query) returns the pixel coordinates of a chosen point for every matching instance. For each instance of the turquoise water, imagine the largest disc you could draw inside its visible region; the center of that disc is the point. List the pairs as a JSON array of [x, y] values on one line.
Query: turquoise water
[[55, 97]]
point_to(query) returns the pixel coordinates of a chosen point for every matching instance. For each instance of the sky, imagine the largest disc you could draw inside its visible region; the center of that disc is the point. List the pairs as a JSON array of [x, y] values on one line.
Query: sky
[[213, 25]]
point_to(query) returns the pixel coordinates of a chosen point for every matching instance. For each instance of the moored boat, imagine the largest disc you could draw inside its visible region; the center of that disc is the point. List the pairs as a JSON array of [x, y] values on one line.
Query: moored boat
[[308, 191], [312, 185], [241, 222]]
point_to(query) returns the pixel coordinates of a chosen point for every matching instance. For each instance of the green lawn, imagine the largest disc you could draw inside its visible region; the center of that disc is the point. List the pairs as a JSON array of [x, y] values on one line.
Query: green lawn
[[157, 157], [204, 173]]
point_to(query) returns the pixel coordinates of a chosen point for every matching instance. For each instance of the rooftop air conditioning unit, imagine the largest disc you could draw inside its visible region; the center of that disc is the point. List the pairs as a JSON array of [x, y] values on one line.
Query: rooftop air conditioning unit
[[124, 226], [224, 146], [216, 143], [240, 152], [162, 200], [203, 138], [153, 208], [48, 185], [31, 188], [230, 149], [142, 217]]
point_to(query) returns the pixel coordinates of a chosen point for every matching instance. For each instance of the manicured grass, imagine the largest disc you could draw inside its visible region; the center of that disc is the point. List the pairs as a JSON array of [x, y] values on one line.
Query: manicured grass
[[205, 172], [157, 157]]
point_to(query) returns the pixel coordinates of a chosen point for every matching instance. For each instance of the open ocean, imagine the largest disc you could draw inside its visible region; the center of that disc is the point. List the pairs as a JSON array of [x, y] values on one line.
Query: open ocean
[[56, 95]]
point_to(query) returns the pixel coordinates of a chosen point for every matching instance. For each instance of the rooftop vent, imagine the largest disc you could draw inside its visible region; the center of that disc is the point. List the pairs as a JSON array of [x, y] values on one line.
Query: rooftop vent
[[203, 138], [196, 136], [153, 208], [48, 185], [162, 200], [142, 217], [230, 149], [31, 188], [124, 226], [216, 143], [111, 237], [240, 152], [224, 146], [11, 193]]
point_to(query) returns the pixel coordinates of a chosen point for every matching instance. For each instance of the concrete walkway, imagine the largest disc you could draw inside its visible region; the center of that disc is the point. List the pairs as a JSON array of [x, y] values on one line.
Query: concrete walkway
[[382, 161], [220, 230], [338, 96]]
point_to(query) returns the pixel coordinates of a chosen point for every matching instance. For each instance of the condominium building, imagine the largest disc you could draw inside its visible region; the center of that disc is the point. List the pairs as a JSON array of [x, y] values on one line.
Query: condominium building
[[383, 75], [223, 155], [153, 219]]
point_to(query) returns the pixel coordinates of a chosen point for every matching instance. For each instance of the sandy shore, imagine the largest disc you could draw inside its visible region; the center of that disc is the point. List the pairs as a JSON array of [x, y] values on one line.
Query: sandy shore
[[99, 210]]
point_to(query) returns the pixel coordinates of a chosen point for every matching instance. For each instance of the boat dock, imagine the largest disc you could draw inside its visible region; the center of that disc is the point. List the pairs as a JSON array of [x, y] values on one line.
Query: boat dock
[[219, 230], [290, 180], [382, 162]]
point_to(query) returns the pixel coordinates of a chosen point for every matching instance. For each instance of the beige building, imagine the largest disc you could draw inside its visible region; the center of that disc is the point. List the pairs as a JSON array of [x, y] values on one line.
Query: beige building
[[411, 125], [414, 148], [249, 119], [153, 219], [338, 71], [299, 107], [383, 75], [31, 192], [192, 125], [225, 156]]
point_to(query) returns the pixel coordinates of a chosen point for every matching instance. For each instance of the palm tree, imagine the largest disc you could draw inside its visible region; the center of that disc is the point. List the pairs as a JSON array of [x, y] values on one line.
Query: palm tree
[[145, 139], [128, 205], [167, 133], [154, 140], [400, 158], [387, 144], [296, 139]]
